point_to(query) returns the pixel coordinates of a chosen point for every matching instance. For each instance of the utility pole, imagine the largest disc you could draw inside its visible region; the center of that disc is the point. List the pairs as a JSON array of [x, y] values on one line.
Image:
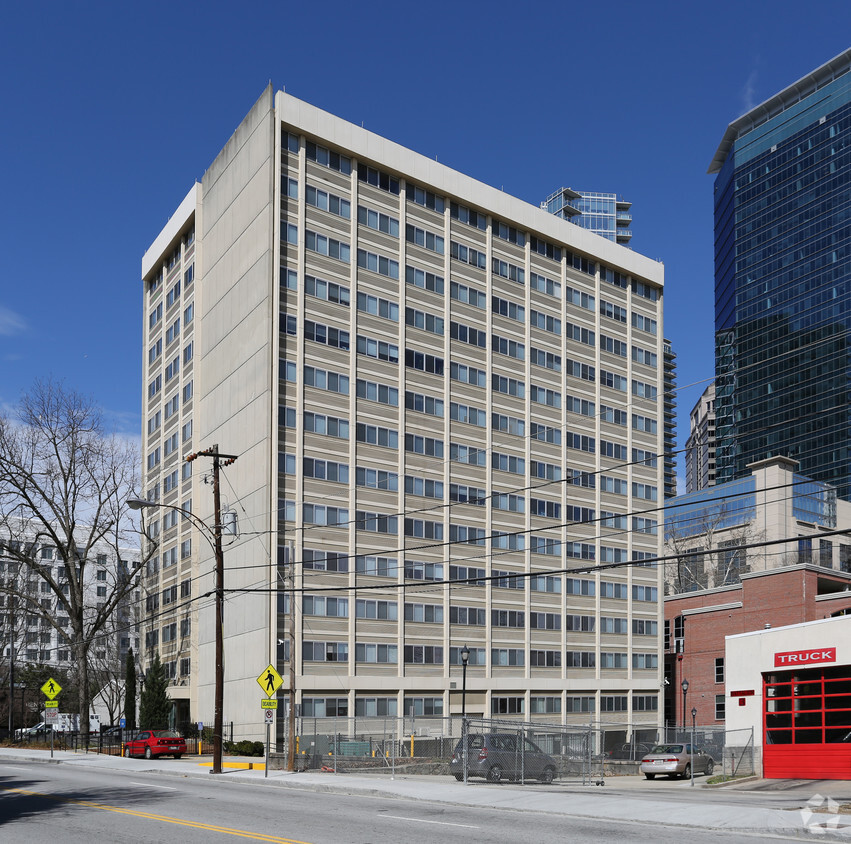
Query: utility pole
[[291, 719], [219, 460]]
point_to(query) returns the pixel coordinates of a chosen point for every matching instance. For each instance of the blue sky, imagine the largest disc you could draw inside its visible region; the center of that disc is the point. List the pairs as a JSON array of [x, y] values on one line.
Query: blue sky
[[111, 111]]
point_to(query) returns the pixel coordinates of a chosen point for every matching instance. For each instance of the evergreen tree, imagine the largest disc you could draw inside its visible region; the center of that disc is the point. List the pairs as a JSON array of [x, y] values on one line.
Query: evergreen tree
[[154, 705], [130, 691]]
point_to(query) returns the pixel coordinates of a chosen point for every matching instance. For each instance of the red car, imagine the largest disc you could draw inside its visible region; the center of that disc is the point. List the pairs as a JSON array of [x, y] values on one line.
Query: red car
[[149, 743]]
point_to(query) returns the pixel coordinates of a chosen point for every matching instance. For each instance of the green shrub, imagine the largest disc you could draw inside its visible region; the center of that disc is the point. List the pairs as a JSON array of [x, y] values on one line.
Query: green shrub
[[245, 748]]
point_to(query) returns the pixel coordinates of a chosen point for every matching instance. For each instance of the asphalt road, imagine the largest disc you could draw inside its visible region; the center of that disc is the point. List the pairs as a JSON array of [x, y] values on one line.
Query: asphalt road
[[56, 804]]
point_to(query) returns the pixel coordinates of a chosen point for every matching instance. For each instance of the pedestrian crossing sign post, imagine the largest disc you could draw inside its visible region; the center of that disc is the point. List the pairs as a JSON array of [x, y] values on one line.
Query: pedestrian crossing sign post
[[51, 688], [270, 681]]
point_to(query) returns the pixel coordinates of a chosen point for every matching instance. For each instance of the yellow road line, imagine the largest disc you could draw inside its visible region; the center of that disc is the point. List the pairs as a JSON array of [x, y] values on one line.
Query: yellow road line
[[257, 836]]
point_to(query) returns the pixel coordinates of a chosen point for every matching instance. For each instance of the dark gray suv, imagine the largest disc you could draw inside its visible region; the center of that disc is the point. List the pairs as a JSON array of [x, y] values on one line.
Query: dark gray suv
[[498, 756]]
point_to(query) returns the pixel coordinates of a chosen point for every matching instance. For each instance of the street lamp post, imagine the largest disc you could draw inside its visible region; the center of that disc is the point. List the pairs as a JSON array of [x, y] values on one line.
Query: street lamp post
[[215, 531], [684, 686], [465, 656], [693, 717]]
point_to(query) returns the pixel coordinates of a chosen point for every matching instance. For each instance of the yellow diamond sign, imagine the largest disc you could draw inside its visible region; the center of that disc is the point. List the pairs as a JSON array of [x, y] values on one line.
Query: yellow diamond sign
[[270, 681], [51, 688]]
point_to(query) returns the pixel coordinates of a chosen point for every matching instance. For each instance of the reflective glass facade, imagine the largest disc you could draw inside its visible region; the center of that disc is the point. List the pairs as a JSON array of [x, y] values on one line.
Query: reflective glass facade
[[605, 214], [783, 281]]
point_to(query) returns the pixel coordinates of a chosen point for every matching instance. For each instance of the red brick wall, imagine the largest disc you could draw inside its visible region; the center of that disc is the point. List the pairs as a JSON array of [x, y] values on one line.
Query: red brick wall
[[785, 596]]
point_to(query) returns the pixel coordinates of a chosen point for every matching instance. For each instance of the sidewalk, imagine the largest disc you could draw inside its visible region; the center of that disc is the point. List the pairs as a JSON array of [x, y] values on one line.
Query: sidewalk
[[677, 805]]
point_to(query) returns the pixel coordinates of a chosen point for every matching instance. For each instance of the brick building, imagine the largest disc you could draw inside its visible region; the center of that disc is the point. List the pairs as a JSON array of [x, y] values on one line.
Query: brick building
[[697, 623]]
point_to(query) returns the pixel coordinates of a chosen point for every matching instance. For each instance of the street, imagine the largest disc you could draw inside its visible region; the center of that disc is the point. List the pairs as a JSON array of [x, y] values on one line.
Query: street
[[48, 803]]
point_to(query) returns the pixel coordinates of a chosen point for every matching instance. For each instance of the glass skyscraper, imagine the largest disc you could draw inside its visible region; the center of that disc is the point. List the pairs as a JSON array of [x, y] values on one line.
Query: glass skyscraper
[[783, 280]]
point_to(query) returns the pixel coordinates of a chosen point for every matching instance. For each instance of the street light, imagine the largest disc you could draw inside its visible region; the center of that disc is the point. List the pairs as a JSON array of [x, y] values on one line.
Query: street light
[[216, 544], [693, 716], [684, 686], [465, 656]]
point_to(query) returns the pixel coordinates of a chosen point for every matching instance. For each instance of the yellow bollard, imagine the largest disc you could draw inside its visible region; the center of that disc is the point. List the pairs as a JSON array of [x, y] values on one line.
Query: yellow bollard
[[412, 745]]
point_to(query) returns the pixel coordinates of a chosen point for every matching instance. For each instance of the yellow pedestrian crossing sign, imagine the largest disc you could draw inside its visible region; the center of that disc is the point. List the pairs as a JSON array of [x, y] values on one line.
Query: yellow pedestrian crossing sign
[[51, 688], [270, 681]]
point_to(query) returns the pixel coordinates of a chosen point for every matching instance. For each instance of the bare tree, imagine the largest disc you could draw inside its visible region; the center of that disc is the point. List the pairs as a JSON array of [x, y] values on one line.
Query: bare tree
[[64, 482], [707, 549]]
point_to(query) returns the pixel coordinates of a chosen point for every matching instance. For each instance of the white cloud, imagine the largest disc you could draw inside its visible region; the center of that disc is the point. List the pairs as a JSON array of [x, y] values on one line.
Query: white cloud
[[11, 323], [749, 92]]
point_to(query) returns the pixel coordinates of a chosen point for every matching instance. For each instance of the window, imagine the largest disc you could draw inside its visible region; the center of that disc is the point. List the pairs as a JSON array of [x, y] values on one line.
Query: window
[[468, 334], [428, 446], [616, 382], [326, 380], [463, 293], [644, 356], [510, 348], [505, 269], [505, 308], [378, 178], [424, 654], [508, 706], [328, 246], [376, 522], [323, 156], [426, 239], [509, 386], [381, 393], [423, 362], [468, 255], [327, 290], [468, 374], [375, 435], [375, 478], [378, 263], [378, 221], [509, 424], [325, 652], [327, 202], [424, 404], [322, 605], [644, 323], [327, 335], [378, 349], [545, 322], [545, 659], [548, 360], [424, 280], [644, 423], [719, 670], [378, 307], [329, 426], [425, 613], [547, 285], [720, 708]]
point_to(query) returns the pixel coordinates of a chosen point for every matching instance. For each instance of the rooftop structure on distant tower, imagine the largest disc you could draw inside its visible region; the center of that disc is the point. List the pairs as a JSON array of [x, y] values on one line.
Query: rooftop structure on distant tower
[[605, 214]]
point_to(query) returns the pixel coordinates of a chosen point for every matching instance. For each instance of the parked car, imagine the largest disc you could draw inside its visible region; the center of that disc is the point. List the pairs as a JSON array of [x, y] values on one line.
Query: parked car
[[629, 751], [150, 743], [676, 760], [31, 732], [497, 756]]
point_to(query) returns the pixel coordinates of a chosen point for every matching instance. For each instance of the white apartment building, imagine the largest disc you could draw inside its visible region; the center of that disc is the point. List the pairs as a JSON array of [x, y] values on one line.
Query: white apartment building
[[700, 445], [27, 636], [447, 409]]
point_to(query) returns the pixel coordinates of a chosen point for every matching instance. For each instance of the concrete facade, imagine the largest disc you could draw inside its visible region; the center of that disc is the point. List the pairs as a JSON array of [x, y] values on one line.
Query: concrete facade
[[431, 387]]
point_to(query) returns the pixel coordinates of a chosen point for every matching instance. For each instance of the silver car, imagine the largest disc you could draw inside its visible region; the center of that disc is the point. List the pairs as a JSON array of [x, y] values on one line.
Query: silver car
[[676, 760]]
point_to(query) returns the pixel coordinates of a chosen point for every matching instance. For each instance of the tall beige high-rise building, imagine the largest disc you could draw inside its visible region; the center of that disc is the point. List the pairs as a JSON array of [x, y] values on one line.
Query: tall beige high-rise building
[[447, 409]]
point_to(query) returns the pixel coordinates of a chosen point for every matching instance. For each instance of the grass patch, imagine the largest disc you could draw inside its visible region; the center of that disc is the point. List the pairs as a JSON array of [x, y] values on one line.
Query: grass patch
[[719, 778]]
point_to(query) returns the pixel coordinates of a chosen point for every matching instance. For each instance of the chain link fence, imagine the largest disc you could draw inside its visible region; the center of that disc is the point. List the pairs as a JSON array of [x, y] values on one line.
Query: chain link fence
[[583, 754]]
